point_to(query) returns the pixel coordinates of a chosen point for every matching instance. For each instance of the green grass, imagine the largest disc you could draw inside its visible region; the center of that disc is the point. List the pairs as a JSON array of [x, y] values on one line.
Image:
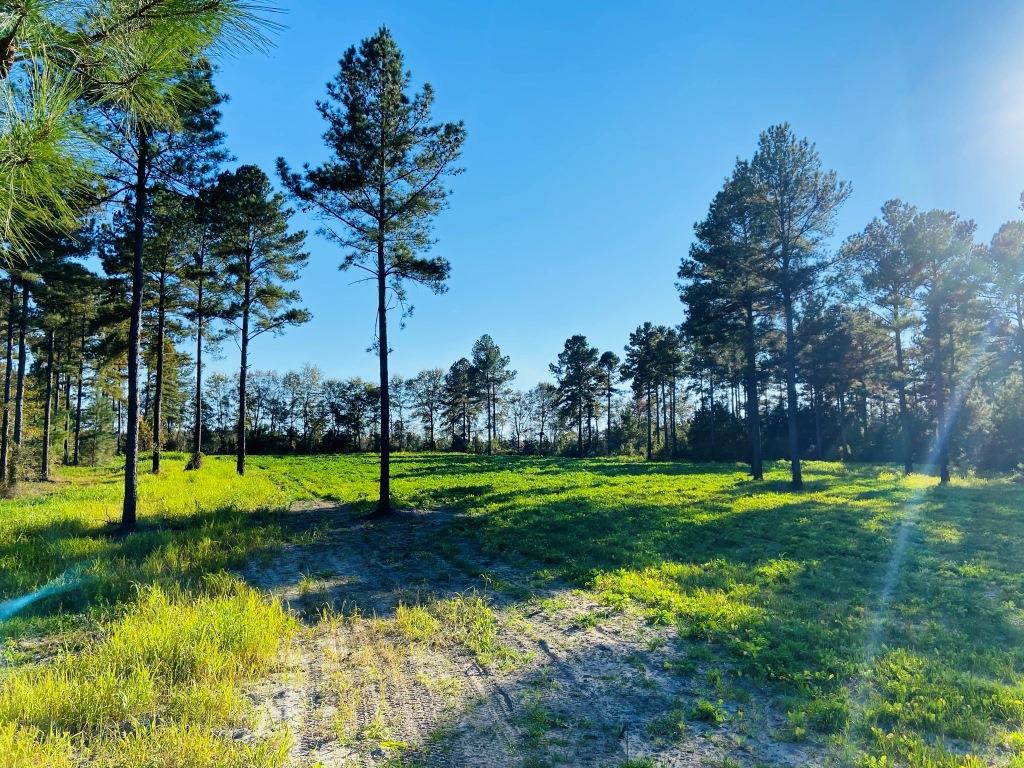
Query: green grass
[[786, 592], [144, 660]]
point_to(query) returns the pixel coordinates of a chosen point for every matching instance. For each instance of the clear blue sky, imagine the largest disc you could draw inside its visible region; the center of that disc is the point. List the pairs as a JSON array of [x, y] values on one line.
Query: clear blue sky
[[599, 131]]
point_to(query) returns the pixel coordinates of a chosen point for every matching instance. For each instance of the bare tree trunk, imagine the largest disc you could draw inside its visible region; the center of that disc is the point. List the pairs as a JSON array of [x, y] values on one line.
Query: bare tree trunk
[[650, 405], [608, 430], [579, 428], [672, 409], [196, 461], [818, 439], [78, 401], [753, 403], [711, 413], [657, 414], [158, 387], [797, 482], [590, 426], [129, 512], [384, 500], [243, 375], [5, 427], [19, 395], [67, 419], [44, 469], [941, 428], [901, 391]]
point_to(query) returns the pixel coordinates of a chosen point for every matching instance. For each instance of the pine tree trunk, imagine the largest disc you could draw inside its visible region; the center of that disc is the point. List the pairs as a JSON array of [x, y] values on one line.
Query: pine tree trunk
[[129, 512], [672, 409], [590, 425], [818, 438], [44, 469], [67, 419], [650, 405], [711, 413], [19, 394], [243, 375], [158, 386], [753, 402], [797, 482], [579, 428], [75, 457], [196, 461], [608, 430], [384, 499], [657, 414], [901, 391], [941, 428], [5, 427]]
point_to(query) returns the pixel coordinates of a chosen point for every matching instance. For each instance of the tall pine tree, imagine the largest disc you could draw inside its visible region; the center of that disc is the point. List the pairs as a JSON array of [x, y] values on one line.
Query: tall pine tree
[[381, 188]]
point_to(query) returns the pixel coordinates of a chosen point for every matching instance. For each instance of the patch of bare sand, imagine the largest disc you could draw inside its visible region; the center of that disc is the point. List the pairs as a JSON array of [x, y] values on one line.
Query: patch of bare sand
[[580, 684]]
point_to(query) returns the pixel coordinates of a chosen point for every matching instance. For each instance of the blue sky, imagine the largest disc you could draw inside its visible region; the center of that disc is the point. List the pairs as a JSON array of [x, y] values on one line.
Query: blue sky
[[599, 131]]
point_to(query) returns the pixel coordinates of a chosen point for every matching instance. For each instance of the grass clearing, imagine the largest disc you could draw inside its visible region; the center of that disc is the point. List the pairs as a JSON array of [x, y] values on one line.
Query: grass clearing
[[773, 594]]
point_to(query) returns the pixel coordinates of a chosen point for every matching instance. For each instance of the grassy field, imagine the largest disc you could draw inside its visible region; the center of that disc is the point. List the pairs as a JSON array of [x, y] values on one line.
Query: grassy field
[[883, 614]]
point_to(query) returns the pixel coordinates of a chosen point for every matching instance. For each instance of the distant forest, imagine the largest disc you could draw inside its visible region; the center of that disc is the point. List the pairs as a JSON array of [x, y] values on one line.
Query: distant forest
[[909, 305]]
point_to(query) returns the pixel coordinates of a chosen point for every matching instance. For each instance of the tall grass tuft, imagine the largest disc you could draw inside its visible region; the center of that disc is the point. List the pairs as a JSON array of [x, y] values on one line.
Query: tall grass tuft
[[169, 668]]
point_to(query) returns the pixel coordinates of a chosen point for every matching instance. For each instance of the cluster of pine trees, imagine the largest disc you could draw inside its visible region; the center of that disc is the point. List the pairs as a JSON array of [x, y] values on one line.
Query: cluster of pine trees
[[125, 237], [904, 344]]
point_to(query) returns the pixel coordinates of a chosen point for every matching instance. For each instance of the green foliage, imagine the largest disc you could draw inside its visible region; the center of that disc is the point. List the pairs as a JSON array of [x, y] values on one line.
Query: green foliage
[[258, 253], [708, 712], [385, 181], [63, 63]]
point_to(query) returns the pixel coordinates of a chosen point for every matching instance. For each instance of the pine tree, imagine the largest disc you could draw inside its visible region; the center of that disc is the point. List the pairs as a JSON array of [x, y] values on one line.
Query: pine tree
[[724, 287], [575, 372], [641, 367], [461, 400], [11, 324], [258, 255], [608, 365], [890, 277], [64, 64], [384, 184], [1006, 287], [492, 373], [427, 389], [669, 354], [145, 133], [167, 260], [60, 280], [943, 243], [797, 207]]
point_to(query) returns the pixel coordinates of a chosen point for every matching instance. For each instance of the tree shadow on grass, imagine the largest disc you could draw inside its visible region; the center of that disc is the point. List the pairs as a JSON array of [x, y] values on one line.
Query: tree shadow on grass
[[173, 551], [413, 465]]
